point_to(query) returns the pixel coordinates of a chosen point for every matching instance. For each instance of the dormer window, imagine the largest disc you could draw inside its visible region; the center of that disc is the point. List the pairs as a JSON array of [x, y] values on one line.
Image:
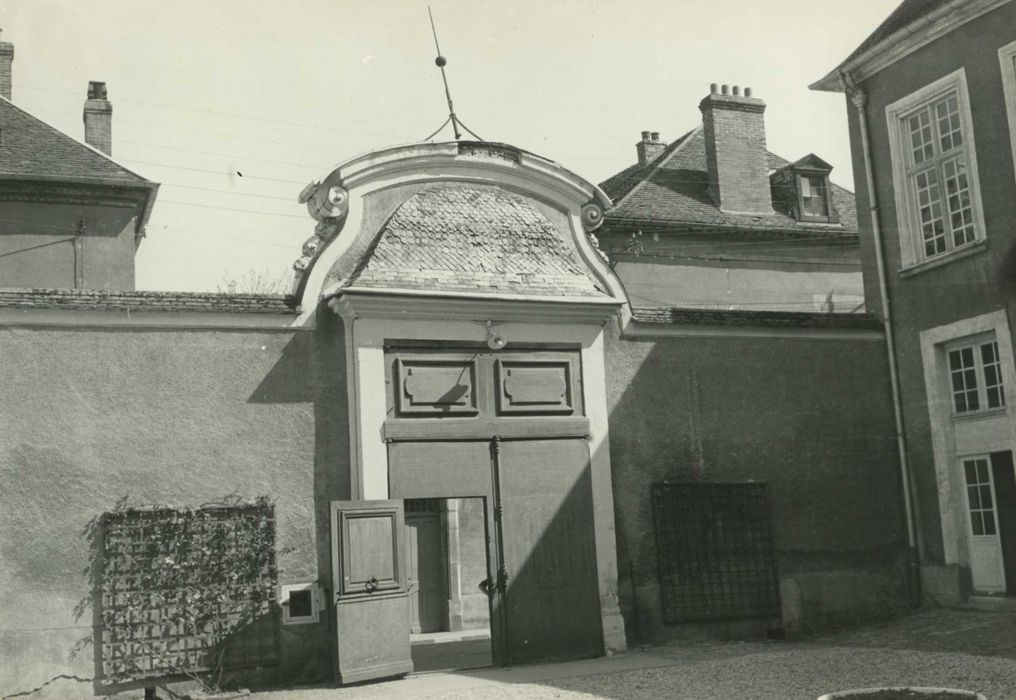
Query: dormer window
[[802, 190]]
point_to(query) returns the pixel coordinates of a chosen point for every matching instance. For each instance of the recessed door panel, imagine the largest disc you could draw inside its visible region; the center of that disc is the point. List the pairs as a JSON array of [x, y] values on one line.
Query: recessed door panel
[[370, 598], [553, 600]]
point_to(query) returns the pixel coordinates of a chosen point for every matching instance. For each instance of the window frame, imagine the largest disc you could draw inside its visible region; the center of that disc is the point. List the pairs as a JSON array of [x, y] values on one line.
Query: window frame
[[976, 343], [912, 253], [316, 602], [1007, 63], [799, 177], [974, 460]]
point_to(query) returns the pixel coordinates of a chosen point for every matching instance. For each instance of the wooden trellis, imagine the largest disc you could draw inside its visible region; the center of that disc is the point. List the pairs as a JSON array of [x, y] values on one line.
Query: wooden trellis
[[187, 591]]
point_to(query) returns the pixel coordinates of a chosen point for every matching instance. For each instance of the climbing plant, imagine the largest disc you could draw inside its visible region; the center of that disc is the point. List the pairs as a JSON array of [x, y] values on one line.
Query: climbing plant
[[186, 590]]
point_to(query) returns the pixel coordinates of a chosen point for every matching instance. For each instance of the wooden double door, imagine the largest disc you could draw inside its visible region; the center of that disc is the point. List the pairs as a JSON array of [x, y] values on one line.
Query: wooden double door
[[541, 557]]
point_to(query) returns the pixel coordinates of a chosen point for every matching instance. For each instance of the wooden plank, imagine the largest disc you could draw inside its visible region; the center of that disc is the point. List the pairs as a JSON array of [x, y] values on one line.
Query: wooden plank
[[373, 638], [553, 603], [427, 429]]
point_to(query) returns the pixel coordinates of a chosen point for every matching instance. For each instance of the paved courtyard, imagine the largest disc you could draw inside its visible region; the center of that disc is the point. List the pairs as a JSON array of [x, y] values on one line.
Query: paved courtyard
[[967, 649]]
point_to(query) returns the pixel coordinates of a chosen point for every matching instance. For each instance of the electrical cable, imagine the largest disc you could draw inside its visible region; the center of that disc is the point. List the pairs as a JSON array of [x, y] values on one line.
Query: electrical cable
[[245, 211]]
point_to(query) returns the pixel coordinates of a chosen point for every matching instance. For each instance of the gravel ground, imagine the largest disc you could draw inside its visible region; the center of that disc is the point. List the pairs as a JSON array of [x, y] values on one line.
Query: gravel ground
[[956, 649]]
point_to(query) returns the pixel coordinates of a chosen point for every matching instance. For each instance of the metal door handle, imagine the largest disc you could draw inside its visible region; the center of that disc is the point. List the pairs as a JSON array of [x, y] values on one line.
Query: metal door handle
[[487, 586], [371, 584]]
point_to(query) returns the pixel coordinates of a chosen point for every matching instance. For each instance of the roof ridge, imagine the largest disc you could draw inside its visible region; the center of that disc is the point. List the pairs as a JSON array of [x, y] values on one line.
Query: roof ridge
[[678, 144], [67, 136]]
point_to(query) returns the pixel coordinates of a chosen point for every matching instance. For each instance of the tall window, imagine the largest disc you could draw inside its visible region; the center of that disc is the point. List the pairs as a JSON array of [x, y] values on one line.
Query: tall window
[[975, 376], [938, 206]]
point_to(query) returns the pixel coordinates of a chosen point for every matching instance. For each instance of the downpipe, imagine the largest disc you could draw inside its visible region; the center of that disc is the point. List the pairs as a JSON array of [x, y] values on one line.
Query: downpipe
[[914, 555]]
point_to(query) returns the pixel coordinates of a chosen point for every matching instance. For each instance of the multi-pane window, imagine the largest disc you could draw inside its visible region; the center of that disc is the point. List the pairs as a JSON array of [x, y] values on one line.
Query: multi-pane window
[[975, 377], [934, 163], [938, 175], [979, 496], [814, 196]]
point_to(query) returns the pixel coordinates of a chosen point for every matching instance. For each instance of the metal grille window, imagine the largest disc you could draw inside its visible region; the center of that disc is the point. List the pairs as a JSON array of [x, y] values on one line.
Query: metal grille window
[[975, 374], [715, 548]]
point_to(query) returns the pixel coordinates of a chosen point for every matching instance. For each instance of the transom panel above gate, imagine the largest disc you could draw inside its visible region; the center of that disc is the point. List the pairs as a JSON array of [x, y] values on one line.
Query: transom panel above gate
[[455, 393]]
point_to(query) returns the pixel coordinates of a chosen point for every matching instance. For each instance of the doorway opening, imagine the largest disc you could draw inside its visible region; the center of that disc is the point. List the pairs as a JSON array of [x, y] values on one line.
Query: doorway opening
[[991, 517], [448, 574]]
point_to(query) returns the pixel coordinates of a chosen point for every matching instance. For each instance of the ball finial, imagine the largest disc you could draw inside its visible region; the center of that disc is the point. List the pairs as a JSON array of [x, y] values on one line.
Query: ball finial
[[441, 61]]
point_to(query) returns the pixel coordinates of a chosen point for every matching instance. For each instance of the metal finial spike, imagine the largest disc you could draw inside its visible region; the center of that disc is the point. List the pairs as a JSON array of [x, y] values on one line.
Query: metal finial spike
[[441, 62]]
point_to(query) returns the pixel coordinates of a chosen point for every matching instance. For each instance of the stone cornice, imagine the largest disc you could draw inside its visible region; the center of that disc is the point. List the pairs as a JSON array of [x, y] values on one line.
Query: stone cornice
[[352, 304], [62, 192], [905, 41]]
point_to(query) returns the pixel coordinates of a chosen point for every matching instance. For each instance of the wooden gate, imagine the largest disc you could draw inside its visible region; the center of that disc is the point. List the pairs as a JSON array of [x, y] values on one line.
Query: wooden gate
[[542, 560]]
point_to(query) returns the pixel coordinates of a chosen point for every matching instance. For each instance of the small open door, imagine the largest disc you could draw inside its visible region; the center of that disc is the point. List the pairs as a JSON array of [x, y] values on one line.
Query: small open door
[[371, 599]]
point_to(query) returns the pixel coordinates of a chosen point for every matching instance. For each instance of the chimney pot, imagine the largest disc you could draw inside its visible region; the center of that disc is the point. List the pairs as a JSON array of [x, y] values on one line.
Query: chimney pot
[[737, 90], [726, 89], [98, 118], [747, 92], [649, 147], [96, 90], [713, 88]]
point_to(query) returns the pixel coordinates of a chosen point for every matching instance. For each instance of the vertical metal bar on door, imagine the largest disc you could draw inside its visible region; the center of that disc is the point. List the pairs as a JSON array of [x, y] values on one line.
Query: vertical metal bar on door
[[501, 585]]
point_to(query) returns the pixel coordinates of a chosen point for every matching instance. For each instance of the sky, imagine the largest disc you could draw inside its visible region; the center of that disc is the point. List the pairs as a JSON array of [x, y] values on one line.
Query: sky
[[235, 105]]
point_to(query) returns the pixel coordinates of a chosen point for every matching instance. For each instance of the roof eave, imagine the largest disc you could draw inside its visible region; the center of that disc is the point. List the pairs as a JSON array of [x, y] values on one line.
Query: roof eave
[[152, 189], [905, 41], [827, 231]]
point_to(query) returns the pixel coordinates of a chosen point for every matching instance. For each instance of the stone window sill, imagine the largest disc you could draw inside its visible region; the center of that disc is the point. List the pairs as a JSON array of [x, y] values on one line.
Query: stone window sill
[[959, 254], [983, 413]]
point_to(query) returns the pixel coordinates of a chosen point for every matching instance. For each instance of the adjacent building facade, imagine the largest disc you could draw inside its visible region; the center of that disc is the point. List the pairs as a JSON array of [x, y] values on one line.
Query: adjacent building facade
[[932, 114], [714, 220], [70, 216]]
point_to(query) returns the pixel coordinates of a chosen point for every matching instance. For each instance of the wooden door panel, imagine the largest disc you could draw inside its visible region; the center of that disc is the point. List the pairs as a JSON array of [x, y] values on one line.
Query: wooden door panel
[[439, 469], [553, 600], [371, 602]]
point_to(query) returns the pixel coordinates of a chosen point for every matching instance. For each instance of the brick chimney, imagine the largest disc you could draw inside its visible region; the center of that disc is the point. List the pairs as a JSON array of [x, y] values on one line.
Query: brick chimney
[[736, 154], [649, 147], [98, 118], [6, 67]]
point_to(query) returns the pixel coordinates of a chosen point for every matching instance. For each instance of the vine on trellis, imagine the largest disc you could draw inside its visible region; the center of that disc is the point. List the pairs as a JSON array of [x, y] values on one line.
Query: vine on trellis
[[186, 591]]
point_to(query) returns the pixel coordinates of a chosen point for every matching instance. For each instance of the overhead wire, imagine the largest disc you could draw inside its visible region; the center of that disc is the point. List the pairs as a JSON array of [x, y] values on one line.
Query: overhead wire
[[231, 115]]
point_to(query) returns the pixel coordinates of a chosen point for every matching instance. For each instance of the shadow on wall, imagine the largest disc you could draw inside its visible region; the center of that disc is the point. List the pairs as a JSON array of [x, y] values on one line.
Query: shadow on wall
[[810, 418], [312, 368]]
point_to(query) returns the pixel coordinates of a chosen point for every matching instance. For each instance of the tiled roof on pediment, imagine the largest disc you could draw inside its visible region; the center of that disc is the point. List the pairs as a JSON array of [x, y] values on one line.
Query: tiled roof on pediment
[[473, 239]]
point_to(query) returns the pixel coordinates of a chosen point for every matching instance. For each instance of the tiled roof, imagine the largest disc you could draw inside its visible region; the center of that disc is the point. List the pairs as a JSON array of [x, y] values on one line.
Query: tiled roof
[[674, 189], [789, 319], [30, 147], [101, 300], [908, 11], [473, 239]]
